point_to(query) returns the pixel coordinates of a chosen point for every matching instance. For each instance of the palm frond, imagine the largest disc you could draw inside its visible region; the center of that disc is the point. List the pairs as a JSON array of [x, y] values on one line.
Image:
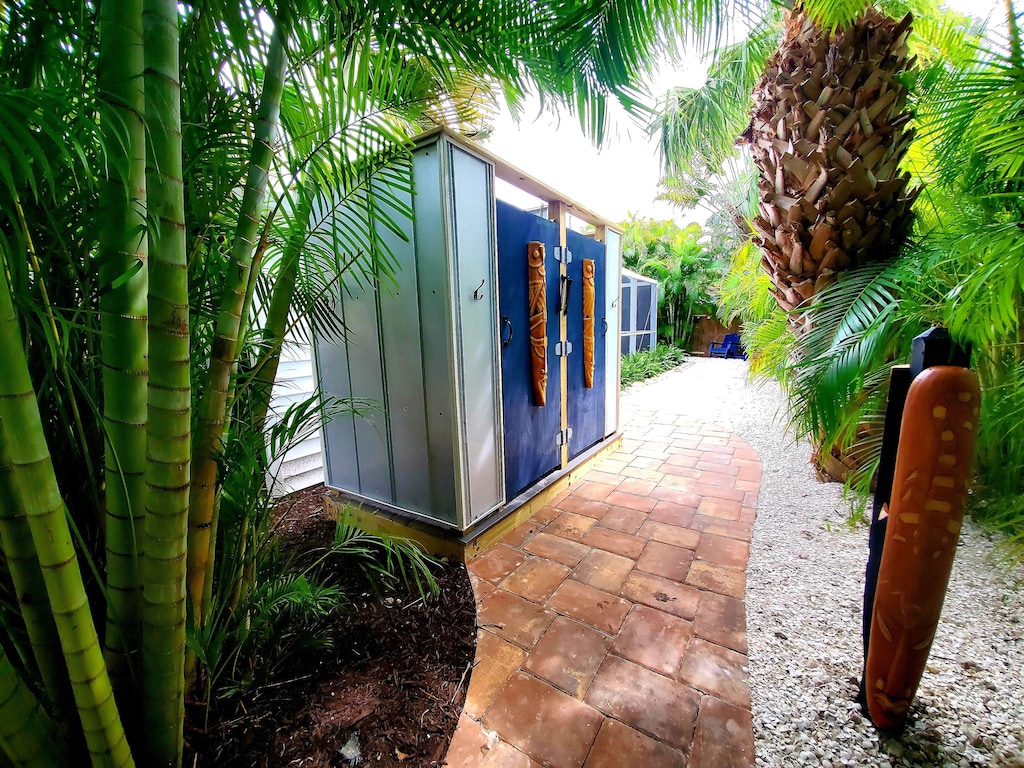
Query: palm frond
[[698, 127]]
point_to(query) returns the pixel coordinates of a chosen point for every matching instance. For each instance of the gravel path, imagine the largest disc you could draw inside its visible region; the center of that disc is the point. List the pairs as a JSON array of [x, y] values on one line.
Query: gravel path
[[804, 595]]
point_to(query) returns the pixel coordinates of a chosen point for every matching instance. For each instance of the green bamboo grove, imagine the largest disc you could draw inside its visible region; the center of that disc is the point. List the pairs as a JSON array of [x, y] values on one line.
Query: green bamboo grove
[[167, 173]]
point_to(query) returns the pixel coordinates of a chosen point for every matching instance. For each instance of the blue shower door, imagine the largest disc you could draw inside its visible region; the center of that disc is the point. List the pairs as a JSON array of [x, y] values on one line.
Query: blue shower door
[[586, 406], [530, 432]]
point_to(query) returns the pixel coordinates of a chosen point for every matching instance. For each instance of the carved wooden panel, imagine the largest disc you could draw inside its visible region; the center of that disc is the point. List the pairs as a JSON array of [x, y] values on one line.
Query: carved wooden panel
[[588, 323], [537, 282], [933, 464]]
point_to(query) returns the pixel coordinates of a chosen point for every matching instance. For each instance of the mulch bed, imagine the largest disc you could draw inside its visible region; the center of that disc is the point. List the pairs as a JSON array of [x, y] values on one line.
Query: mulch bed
[[394, 684]]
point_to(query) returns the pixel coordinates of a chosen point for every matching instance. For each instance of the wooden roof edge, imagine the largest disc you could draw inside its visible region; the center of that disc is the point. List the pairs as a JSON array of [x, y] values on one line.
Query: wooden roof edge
[[520, 178]]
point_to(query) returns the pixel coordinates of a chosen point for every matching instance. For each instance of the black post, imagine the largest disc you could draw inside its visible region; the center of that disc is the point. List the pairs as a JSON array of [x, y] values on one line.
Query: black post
[[933, 347]]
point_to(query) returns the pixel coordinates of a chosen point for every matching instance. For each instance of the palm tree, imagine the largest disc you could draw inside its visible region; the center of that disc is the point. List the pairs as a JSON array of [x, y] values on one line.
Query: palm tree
[[827, 129], [828, 134]]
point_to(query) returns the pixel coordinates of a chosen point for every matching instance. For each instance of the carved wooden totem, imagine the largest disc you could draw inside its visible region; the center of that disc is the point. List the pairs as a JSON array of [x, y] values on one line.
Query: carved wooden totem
[[933, 465], [538, 298], [588, 323]]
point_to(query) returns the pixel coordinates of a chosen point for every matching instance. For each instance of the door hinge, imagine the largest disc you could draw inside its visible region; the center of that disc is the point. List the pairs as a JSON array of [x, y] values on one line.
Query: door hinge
[[563, 436], [563, 348], [563, 255]]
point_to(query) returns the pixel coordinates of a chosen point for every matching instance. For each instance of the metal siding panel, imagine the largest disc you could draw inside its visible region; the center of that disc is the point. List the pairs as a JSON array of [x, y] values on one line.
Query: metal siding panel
[[435, 322], [340, 458], [367, 377], [403, 367], [612, 301], [628, 312], [474, 305], [586, 406], [529, 431]]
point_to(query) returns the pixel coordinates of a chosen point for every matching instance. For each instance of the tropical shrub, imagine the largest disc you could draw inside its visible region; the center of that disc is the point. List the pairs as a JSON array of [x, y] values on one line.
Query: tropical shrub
[[961, 267], [686, 265], [650, 362]]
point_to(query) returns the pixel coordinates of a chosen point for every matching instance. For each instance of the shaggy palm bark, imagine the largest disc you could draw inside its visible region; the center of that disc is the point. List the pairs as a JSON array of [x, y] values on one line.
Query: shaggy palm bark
[[827, 134]]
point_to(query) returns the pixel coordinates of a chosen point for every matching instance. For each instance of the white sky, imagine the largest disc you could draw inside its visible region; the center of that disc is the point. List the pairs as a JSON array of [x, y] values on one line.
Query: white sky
[[622, 178]]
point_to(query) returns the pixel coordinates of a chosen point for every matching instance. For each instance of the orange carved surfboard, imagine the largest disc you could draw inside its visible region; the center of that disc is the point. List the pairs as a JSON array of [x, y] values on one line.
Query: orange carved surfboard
[[588, 323], [933, 465], [537, 284]]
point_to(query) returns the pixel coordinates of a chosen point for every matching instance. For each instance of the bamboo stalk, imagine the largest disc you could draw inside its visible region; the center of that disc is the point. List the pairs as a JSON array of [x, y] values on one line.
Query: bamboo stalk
[[35, 493], [27, 734], [168, 444], [30, 588], [123, 330], [213, 405]]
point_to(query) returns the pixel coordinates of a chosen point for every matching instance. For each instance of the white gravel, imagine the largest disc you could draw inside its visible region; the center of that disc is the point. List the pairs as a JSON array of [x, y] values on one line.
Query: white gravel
[[804, 594]]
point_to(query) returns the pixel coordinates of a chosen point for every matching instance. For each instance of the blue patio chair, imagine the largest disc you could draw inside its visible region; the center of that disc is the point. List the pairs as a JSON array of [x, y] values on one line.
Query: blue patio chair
[[729, 347]]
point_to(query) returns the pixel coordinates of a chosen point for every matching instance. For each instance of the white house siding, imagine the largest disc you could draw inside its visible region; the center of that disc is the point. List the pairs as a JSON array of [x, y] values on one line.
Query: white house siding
[[302, 466]]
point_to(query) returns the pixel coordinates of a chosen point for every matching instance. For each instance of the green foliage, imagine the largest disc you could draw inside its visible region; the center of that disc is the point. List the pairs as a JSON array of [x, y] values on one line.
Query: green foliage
[[963, 268], [650, 362], [295, 127], [686, 265]]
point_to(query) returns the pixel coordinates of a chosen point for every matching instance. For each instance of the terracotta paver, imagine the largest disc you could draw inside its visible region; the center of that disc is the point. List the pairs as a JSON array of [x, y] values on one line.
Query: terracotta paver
[[717, 578], [722, 620], [722, 550], [673, 513], [504, 755], [568, 656], [623, 520], [724, 736], [618, 745], [603, 570], [570, 525], [716, 670], [535, 579], [496, 660], [645, 700], [517, 620], [591, 606], [496, 563], [612, 623], [669, 534], [558, 549], [551, 727], [653, 638], [662, 594], [666, 561], [615, 542]]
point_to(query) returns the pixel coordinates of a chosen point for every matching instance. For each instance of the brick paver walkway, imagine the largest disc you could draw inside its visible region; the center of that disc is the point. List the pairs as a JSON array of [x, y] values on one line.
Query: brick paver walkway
[[611, 625]]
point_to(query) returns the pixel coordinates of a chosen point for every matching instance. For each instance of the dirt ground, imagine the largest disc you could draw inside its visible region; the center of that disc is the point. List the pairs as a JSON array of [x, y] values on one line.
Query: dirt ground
[[389, 694]]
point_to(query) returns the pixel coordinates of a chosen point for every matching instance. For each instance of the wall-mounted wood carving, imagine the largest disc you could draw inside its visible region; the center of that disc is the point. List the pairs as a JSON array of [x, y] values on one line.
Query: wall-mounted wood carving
[[538, 298], [588, 323], [933, 464]]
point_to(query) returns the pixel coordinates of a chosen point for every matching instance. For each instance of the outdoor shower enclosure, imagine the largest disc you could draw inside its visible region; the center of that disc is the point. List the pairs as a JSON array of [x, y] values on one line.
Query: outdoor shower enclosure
[[441, 354], [639, 311]]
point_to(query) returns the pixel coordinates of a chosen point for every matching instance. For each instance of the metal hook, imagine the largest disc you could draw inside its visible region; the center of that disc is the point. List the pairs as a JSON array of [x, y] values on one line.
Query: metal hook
[[477, 296]]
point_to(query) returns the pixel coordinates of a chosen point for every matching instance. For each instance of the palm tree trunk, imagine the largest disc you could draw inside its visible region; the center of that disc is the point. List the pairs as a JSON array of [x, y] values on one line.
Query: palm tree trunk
[[124, 342], [36, 494], [27, 735], [213, 406], [169, 443], [1016, 59], [276, 325]]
